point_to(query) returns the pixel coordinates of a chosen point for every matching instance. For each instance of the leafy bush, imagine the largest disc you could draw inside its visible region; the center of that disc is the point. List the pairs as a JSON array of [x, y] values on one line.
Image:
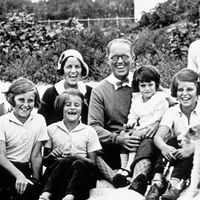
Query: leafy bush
[[166, 48], [171, 12], [32, 50]]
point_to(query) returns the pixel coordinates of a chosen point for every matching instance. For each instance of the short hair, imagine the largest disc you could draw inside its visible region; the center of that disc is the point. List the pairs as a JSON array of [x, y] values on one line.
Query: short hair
[[147, 74], [61, 98], [21, 86], [120, 40], [185, 75]]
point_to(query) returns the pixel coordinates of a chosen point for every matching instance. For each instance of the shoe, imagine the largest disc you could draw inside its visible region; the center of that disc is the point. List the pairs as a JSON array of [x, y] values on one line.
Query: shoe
[[43, 198], [139, 184], [120, 181], [173, 193], [155, 191]]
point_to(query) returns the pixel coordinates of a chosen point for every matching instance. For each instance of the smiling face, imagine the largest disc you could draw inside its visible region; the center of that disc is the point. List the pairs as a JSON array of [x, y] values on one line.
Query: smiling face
[[147, 89], [72, 109], [187, 94], [120, 66], [72, 71], [24, 104]]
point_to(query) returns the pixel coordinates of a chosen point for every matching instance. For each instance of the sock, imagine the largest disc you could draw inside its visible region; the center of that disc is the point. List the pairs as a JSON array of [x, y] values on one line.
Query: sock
[[174, 182], [104, 169], [158, 180], [131, 157], [124, 159]]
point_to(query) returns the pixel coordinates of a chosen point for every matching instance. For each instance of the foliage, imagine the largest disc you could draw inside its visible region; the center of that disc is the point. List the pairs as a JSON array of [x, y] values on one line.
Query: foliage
[[171, 12], [7, 6], [32, 50], [166, 48], [83, 9]]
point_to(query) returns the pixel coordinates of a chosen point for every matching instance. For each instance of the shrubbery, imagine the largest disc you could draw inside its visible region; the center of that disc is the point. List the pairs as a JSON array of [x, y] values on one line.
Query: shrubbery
[[32, 50], [166, 48], [170, 12]]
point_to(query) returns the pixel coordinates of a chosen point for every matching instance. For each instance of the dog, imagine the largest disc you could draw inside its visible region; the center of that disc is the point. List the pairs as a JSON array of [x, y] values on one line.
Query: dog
[[193, 137]]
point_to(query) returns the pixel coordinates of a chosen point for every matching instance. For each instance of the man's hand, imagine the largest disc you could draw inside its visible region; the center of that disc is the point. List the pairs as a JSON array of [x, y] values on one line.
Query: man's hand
[[128, 141]]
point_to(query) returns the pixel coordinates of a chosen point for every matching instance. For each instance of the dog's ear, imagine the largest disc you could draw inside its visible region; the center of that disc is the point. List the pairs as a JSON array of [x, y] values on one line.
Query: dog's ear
[[194, 133]]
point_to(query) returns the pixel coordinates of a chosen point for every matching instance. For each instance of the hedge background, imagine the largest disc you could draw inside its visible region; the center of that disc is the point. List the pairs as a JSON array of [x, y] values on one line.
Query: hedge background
[[161, 38]]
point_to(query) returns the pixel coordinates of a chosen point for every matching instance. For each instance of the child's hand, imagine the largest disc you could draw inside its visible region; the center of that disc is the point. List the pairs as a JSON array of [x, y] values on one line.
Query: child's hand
[[66, 154], [57, 152], [168, 152], [128, 126], [21, 183], [185, 152]]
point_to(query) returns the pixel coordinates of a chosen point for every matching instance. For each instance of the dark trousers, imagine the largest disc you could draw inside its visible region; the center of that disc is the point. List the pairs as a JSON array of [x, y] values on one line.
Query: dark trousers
[[111, 155], [71, 176], [182, 167], [7, 184]]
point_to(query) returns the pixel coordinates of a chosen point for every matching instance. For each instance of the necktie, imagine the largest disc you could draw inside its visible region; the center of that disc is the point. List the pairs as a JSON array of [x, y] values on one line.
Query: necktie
[[122, 83]]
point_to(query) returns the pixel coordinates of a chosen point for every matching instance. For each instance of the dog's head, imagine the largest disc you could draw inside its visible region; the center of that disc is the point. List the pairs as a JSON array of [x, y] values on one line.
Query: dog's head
[[192, 135]]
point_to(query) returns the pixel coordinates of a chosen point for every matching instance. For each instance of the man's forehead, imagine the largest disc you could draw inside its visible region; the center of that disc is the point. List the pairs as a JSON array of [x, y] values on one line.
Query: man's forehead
[[120, 43], [120, 47]]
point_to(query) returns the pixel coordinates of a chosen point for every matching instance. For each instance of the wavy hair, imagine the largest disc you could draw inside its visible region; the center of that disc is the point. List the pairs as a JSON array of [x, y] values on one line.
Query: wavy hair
[[21, 86], [185, 75]]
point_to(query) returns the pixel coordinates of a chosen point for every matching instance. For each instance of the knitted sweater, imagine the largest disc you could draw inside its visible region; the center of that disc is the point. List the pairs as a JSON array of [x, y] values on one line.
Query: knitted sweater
[[108, 110]]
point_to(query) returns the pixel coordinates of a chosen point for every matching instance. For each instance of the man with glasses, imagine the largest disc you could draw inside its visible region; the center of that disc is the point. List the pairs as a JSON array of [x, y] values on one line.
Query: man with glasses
[[109, 107]]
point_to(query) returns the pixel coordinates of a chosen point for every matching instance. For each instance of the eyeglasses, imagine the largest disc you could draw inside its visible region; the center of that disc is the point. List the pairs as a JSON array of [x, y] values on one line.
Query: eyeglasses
[[116, 58]]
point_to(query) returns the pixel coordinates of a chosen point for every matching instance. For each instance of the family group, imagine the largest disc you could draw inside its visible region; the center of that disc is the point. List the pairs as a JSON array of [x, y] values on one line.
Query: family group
[[127, 130]]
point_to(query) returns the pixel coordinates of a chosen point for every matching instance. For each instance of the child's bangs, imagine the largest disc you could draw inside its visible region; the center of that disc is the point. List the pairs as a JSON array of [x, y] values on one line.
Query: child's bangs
[[145, 77]]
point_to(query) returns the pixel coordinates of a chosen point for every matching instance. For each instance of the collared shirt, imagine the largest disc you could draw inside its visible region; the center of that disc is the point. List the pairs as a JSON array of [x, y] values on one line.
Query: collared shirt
[[177, 121], [60, 87], [20, 138], [113, 80], [81, 140], [147, 112]]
